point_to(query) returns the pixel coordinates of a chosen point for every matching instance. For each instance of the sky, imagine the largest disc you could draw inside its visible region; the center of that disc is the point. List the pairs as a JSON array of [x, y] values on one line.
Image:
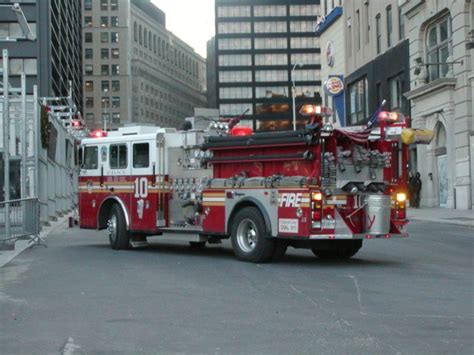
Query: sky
[[190, 20]]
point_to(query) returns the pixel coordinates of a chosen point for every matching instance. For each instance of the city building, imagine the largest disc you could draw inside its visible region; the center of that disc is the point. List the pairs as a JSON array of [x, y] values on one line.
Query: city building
[[377, 59], [211, 73], [261, 46], [330, 29], [135, 70], [54, 58], [441, 35]]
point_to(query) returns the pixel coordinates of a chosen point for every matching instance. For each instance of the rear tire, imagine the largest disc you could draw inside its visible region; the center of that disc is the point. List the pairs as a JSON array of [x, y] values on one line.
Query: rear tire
[[249, 236], [119, 237], [342, 249]]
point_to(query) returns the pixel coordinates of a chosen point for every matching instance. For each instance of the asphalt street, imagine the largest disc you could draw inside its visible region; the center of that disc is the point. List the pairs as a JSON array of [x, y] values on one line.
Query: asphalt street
[[410, 296]]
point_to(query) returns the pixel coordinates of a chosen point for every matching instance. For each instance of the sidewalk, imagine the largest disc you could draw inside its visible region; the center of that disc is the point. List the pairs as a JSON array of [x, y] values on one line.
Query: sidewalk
[[442, 215], [8, 255]]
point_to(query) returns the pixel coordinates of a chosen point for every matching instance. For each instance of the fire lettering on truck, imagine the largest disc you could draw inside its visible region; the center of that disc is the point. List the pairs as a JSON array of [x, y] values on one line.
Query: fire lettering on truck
[[288, 199]]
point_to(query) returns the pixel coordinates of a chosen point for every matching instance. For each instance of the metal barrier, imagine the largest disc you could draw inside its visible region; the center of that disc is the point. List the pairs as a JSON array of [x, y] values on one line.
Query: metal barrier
[[19, 219]]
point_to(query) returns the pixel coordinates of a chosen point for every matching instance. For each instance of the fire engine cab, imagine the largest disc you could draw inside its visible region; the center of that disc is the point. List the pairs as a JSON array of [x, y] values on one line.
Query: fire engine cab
[[323, 188]]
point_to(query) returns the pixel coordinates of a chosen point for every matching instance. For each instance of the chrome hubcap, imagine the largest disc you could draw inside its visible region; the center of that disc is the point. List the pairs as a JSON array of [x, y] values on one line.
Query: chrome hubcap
[[247, 235], [112, 227]]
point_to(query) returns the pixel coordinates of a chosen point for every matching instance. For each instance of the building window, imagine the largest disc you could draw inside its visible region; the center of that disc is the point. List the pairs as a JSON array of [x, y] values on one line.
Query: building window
[[115, 69], [271, 92], [378, 34], [271, 43], [145, 38], [396, 92], [367, 24], [89, 86], [87, 4], [271, 59], [233, 11], [306, 75], [358, 100], [235, 77], [88, 53], [104, 37], [105, 102], [135, 32], [88, 37], [88, 69], [114, 37], [104, 69], [233, 27], [115, 85], [358, 34], [235, 60], [104, 6], [389, 26], [104, 21], [235, 93], [114, 21], [302, 26], [104, 53], [270, 27], [235, 109], [115, 53], [116, 118], [401, 24], [304, 42], [349, 36], [114, 5], [105, 86], [140, 38], [271, 75], [304, 10], [269, 11], [89, 102], [88, 21], [305, 58], [89, 117], [115, 102], [438, 48]]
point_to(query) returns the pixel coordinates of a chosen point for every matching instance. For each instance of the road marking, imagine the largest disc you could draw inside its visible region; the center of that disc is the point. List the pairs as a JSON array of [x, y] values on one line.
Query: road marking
[[359, 296], [69, 347]]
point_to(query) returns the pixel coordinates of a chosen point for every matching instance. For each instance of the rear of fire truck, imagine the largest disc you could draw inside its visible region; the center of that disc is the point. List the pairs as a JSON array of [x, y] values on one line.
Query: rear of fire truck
[[323, 188]]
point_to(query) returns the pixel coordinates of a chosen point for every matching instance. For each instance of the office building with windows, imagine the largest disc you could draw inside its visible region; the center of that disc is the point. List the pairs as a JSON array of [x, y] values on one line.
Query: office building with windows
[[261, 46], [135, 70], [377, 62], [441, 92], [54, 58]]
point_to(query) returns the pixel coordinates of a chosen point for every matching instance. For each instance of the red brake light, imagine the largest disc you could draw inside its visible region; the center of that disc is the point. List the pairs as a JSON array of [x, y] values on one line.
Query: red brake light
[[98, 134]]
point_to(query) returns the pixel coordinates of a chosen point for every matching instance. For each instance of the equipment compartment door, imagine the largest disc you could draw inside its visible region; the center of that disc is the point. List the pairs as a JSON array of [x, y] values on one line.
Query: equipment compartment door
[[143, 197]]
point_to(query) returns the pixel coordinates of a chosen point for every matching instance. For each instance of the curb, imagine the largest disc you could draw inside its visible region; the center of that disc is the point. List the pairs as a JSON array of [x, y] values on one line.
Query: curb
[[443, 221], [21, 245]]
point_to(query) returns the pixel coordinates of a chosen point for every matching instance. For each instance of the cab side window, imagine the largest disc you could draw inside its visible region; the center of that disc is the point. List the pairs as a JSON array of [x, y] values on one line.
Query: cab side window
[[141, 155], [118, 156], [91, 158]]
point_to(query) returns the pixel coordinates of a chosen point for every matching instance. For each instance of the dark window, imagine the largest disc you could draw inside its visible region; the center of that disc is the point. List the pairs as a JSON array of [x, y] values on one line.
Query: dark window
[[88, 37], [116, 118], [104, 5], [114, 37], [91, 158], [114, 21], [358, 99], [115, 69], [104, 53], [358, 34], [88, 21], [141, 155], [87, 4], [378, 34], [89, 102], [135, 32], [115, 102], [89, 85], [104, 37], [438, 48], [115, 53], [104, 69], [104, 21], [105, 86], [401, 24], [115, 85], [118, 156], [88, 69], [396, 92], [389, 26], [114, 5], [88, 53]]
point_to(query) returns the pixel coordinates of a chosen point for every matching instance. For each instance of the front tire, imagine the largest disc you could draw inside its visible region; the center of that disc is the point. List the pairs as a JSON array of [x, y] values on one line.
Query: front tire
[[341, 249], [119, 237], [249, 236]]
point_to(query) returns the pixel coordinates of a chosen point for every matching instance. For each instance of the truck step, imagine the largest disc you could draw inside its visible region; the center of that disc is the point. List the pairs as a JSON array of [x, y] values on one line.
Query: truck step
[[188, 233]]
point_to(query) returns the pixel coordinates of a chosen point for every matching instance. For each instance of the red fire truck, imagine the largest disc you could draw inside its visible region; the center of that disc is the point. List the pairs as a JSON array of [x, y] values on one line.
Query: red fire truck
[[319, 187]]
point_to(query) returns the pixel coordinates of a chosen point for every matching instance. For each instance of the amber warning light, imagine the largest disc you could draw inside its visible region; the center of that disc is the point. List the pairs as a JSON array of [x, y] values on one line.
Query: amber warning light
[[313, 110]]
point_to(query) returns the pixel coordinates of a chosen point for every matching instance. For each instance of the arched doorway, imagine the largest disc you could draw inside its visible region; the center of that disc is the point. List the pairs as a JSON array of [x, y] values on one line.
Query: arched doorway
[[442, 165]]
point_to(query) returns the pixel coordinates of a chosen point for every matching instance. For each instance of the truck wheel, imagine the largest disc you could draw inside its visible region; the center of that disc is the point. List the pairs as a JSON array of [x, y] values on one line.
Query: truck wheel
[[341, 250], [119, 237], [248, 236]]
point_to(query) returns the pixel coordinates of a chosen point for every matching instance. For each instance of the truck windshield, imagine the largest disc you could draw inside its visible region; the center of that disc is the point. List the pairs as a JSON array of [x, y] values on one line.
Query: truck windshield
[[91, 160]]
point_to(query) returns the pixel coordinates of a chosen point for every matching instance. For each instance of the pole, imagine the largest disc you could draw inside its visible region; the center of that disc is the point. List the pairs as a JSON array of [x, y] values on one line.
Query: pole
[[6, 149], [36, 127], [24, 128]]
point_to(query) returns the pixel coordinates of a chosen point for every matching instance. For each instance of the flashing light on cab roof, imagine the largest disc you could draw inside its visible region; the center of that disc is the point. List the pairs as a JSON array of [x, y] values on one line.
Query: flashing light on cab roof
[[386, 116], [313, 110], [98, 134]]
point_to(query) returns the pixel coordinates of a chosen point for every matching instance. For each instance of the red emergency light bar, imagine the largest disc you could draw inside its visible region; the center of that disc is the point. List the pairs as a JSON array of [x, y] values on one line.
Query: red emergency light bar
[[313, 110], [76, 123], [98, 134], [386, 116]]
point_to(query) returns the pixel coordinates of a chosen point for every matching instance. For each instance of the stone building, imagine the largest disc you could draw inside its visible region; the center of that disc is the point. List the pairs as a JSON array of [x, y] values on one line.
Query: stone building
[[135, 70], [441, 94]]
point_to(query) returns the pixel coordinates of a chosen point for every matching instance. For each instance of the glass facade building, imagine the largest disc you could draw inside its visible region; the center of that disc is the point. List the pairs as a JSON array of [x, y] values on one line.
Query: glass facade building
[[258, 44]]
